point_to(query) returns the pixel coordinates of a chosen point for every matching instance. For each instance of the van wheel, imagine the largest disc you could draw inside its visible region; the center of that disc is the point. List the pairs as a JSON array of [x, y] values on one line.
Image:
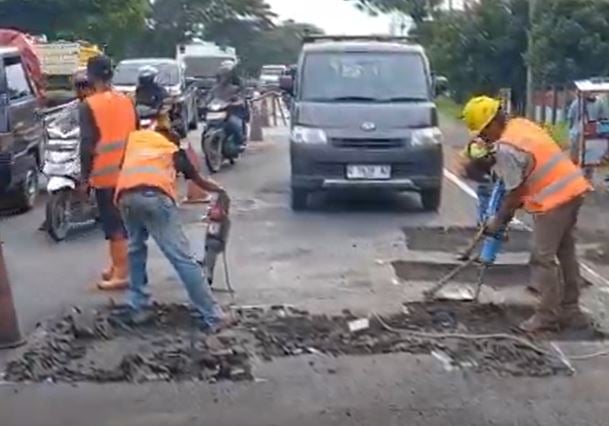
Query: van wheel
[[431, 199], [300, 199], [27, 190]]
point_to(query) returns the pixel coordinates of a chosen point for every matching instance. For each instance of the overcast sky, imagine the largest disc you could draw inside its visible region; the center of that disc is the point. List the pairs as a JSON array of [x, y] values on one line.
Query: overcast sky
[[333, 16]]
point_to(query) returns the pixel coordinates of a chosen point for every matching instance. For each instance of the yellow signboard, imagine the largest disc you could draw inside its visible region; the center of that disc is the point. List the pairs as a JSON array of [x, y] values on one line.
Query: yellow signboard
[[64, 58]]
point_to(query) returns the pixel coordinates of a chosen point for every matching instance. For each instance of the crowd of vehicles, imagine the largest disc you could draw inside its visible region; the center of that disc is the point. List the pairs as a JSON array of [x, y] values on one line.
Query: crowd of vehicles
[[171, 75], [364, 118], [359, 121]]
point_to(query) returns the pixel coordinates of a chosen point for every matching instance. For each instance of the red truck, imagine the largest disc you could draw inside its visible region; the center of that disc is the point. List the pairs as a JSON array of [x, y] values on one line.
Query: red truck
[[22, 133]]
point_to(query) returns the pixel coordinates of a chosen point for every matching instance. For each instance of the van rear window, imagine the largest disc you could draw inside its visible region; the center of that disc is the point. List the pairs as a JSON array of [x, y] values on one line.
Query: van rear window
[[364, 76]]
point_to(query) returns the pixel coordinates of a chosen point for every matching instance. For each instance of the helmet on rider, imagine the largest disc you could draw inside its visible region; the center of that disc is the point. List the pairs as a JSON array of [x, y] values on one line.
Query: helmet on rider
[[82, 85], [147, 75]]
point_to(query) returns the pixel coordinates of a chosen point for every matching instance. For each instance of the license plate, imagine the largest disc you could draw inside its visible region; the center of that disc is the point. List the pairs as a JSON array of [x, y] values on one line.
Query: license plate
[[368, 172], [216, 115]]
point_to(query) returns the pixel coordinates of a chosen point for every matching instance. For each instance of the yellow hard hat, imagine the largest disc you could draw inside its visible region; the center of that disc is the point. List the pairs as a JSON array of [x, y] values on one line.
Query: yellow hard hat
[[479, 112]]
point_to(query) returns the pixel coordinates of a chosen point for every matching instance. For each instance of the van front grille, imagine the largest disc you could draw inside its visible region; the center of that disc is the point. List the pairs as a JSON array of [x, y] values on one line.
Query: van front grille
[[368, 143]]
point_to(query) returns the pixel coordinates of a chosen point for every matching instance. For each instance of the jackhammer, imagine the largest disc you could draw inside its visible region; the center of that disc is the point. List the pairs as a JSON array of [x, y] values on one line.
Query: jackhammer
[[491, 245]]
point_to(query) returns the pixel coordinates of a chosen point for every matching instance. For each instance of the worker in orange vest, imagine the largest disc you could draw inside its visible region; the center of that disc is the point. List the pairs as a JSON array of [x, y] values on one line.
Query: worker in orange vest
[[146, 194], [546, 183], [106, 120]]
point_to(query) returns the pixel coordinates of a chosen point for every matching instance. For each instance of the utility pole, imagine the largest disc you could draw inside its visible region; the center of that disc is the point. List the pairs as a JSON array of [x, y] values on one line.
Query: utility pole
[[530, 107]]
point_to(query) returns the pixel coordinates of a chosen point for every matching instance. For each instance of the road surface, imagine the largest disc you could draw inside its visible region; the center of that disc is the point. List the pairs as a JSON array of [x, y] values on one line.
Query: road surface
[[333, 257]]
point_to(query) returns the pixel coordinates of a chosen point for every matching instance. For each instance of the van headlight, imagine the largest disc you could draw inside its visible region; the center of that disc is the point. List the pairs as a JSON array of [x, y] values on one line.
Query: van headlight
[[308, 135], [427, 137]]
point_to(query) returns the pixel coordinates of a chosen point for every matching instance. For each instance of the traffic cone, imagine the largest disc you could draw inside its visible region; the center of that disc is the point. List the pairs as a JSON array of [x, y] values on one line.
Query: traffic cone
[[10, 337], [194, 194], [256, 126]]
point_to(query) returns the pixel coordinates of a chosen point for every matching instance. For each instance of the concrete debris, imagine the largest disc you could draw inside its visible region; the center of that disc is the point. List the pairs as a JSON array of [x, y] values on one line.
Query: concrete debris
[[102, 346], [359, 325]]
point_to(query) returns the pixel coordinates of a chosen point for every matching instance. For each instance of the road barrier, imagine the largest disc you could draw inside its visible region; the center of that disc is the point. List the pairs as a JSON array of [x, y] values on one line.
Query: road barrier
[[10, 337], [266, 109]]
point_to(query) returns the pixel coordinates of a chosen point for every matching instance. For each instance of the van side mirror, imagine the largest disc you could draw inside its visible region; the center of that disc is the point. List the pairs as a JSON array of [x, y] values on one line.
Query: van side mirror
[[286, 83]]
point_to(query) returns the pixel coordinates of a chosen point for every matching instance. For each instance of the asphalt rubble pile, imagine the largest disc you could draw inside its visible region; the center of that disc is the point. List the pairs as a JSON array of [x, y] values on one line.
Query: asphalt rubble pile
[[98, 346], [101, 346], [289, 332]]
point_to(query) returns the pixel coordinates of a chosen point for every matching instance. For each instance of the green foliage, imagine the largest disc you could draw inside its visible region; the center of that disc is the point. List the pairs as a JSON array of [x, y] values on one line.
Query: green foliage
[[418, 10], [571, 40], [111, 23]]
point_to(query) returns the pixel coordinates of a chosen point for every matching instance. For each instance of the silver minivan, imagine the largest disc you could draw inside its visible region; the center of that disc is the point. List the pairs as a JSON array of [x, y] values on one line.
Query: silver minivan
[[364, 117]]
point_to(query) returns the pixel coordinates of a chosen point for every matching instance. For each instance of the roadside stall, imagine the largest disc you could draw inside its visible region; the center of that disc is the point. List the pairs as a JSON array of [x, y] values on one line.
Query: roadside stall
[[593, 138]]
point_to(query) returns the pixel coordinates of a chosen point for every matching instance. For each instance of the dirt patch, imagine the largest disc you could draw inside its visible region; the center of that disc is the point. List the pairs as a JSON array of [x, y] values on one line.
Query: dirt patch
[[166, 344], [496, 276], [456, 239]]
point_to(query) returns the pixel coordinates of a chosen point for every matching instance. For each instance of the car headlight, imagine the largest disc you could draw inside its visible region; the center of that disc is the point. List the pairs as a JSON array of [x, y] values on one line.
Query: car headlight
[[426, 137], [308, 135]]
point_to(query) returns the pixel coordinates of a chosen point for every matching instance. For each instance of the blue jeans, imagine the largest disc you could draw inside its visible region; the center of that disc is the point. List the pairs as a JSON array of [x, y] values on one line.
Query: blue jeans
[[234, 129], [152, 213], [484, 193]]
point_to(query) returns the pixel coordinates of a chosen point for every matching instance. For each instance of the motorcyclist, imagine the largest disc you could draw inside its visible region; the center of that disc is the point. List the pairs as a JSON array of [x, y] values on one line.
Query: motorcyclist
[[149, 92], [229, 88], [82, 88]]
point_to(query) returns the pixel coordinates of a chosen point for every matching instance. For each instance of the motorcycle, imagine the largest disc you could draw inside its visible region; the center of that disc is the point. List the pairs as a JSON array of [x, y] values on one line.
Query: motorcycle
[[215, 143], [66, 207]]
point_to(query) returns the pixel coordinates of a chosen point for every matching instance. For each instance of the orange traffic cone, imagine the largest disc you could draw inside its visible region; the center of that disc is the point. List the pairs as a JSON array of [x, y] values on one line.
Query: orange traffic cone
[[10, 337], [194, 194]]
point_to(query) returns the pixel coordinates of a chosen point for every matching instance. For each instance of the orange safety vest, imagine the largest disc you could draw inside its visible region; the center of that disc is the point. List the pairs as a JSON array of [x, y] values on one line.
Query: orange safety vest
[[148, 163], [554, 179], [114, 116]]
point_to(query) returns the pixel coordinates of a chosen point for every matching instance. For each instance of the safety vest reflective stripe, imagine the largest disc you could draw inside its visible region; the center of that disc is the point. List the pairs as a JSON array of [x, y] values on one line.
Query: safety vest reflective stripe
[[135, 170], [105, 148], [546, 169], [105, 171], [557, 186]]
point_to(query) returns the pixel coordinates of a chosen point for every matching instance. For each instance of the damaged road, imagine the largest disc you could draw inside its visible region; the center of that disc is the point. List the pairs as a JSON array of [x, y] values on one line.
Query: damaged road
[[167, 345]]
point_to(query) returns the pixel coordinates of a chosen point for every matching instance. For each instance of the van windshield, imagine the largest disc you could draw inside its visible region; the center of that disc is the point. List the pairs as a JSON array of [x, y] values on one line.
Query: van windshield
[[364, 76]]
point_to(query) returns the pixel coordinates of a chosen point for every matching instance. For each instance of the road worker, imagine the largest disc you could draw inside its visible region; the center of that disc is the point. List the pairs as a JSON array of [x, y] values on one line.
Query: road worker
[[541, 179], [146, 194], [106, 120]]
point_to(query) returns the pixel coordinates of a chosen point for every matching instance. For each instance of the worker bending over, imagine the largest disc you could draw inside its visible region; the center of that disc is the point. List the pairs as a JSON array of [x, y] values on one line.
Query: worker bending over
[[107, 118], [146, 194], [546, 183]]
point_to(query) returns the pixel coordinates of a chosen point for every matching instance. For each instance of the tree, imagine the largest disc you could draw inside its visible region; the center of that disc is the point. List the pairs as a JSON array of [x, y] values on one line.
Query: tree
[[174, 21], [418, 10], [109, 22], [571, 40]]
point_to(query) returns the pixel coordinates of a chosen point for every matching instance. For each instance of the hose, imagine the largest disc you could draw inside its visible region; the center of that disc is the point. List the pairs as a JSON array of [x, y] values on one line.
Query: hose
[[501, 336]]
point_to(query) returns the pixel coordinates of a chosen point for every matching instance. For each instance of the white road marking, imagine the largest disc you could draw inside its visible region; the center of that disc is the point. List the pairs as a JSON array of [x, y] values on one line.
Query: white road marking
[[461, 184]]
